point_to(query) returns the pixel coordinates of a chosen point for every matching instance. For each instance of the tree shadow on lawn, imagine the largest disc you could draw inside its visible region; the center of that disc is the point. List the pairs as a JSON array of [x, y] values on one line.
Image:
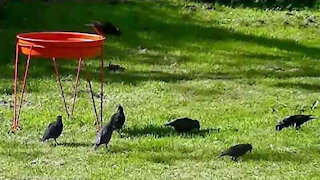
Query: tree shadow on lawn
[[299, 85], [168, 31], [161, 131]]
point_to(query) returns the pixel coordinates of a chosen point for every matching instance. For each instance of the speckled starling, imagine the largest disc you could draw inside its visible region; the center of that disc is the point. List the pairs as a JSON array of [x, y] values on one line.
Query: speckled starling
[[294, 120], [54, 130], [237, 151], [105, 28], [184, 124]]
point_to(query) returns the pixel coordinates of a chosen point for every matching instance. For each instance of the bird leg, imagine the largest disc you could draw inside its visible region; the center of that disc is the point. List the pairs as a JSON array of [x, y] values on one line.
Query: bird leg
[[107, 148], [119, 133], [234, 159], [55, 140], [298, 127]]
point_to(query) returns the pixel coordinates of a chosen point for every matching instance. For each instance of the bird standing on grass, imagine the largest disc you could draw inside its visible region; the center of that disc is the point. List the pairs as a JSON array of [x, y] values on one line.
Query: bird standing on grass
[[119, 119], [237, 151], [294, 120], [115, 67], [104, 134], [105, 28], [54, 130], [184, 124]]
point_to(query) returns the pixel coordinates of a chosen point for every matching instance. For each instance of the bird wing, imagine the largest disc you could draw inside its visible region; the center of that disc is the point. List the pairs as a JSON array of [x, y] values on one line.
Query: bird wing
[[47, 132], [98, 138], [169, 123], [303, 118]]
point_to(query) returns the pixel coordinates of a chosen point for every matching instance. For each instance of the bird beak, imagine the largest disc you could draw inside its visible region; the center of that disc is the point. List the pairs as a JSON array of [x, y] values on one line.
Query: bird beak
[[89, 25]]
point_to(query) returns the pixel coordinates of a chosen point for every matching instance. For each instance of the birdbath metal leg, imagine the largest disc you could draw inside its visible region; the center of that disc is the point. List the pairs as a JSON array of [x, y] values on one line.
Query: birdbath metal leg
[[91, 93], [24, 83], [14, 97], [76, 85], [101, 87], [61, 89], [16, 111]]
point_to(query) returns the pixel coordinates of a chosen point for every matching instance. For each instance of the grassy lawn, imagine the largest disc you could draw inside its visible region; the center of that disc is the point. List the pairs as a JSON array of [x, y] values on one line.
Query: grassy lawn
[[231, 68]]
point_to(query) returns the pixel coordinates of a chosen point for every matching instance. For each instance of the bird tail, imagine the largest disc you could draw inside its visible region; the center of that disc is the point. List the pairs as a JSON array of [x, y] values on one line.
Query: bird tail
[[43, 139], [312, 117], [168, 124]]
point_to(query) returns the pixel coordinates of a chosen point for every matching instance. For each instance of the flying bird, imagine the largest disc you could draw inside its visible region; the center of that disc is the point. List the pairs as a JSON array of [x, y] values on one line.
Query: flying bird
[[119, 118], [294, 120], [54, 130], [184, 124], [105, 28], [237, 151], [104, 134]]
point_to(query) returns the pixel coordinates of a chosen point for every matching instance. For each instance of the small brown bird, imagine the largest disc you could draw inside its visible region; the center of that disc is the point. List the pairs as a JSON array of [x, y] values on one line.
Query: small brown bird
[[105, 28], [237, 151]]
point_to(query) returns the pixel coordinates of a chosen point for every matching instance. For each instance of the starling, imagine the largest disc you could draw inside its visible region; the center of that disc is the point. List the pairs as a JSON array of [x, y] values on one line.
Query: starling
[[237, 151], [54, 130], [104, 134], [294, 120], [105, 28], [115, 67], [119, 118], [184, 124]]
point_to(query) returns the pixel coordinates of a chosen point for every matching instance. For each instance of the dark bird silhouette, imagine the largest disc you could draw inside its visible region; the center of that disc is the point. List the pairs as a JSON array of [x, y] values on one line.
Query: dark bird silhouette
[[104, 134], [115, 67], [54, 130], [119, 118], [105, 28], [184, 124], [294, 120], [237, 151]]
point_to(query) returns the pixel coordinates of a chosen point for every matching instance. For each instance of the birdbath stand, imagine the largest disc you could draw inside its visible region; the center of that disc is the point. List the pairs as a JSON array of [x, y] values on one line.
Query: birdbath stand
[[62, 45]]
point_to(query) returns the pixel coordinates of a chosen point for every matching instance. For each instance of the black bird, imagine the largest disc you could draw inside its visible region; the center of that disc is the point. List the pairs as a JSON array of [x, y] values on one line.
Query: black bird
[[119, 118], [54, 130], [237, 151], [115, 67], [104, 134], [184, 124], [105, 28], [294, 120]]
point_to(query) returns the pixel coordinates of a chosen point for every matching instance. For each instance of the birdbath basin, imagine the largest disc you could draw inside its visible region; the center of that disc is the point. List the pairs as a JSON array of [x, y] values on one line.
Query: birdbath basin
[[53, 45], [67, 45]]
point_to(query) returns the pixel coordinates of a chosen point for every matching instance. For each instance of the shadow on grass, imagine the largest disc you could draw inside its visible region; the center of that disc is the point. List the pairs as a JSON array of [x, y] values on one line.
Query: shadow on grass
[[159, 132], [274, 156], [76, 144], [161, 30], [296, 85], [265, 4]]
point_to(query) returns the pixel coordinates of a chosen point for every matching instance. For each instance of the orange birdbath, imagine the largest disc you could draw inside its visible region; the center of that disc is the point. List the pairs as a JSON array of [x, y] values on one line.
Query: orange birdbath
[[61, 44], [64, 45]]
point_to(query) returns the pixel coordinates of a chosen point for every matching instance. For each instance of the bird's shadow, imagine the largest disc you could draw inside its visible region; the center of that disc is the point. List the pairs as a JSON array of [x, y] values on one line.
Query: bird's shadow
[[274, 156], [162, 131], [75, 144]]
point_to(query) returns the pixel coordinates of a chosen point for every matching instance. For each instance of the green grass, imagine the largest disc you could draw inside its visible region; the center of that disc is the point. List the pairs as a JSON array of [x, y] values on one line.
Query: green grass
[[241, 68]]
